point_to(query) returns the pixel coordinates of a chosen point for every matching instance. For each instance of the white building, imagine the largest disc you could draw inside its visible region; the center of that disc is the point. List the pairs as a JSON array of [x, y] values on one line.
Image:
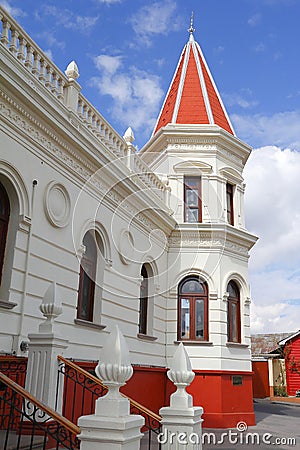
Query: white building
[[154, 241]]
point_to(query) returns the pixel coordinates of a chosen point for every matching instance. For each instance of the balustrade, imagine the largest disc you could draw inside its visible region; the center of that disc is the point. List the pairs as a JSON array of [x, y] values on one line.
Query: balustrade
[[25, 50]]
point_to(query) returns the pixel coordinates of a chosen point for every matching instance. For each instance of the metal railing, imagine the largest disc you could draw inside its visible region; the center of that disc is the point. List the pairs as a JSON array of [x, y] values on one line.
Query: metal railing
[[14, 367], [24, 420], [81, 389]]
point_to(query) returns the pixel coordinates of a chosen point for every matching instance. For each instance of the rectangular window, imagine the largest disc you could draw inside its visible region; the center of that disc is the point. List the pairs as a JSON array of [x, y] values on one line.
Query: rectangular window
[[229, 203], [199, 319], [192, 200], [185, 318]]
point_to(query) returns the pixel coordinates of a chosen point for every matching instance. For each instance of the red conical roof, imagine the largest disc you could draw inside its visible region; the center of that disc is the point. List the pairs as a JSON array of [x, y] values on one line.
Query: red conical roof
[[193, 97]]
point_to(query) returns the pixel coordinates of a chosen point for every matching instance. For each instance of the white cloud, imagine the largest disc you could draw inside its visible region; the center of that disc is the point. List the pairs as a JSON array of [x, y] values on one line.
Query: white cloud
[[68, 19], [279, 2], [110, 2], [282, 129], [109, 64], [273, 213], [260, 48], [51, 40], [49, 54], [240, 99], [275, 318], [157, 18], [254, 20], [15, 12], [219, 49], [136, 94]]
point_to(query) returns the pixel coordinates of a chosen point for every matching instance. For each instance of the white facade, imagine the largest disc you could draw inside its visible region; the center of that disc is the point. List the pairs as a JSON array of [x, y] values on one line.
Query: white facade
[[66, 171]]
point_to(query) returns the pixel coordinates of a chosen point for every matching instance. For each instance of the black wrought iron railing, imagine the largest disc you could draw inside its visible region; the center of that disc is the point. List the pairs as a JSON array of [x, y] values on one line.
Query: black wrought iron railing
[[26, 422], [81, 389], [14, 367]]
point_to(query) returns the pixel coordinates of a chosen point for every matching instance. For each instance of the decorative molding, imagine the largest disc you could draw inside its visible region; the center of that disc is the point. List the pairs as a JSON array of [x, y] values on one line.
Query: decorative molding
[[204, 343], [86, 323], [57, 204], [126, 247], [226, 296], [146, 337], [229, 155], [231, 175], [200, 239], [42, 135], [213, 296], [108, 263], [190, 146], [247, 301], [192, 167], [7, 305], [24, 224], [237, 345]]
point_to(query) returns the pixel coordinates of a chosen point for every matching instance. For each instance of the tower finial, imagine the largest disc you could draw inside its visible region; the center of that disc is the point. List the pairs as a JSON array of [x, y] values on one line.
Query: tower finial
[[191, 29]]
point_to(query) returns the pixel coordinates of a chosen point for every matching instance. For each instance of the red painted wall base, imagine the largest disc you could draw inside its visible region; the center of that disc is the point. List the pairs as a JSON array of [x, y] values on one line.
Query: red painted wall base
[[226, 397], [225, 401]]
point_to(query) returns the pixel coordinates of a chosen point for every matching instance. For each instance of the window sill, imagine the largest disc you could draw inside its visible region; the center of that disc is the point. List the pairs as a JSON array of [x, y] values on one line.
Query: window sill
[[194, 342], [146, 337], [86, 323], [7, 305], [237, 344]]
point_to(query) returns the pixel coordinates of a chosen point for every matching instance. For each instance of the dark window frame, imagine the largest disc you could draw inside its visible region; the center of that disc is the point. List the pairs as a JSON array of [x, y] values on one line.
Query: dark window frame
[[4, 220], [87, 278], [187, 179], [229, 203], [236, 327], [144, 300], [193, 297]]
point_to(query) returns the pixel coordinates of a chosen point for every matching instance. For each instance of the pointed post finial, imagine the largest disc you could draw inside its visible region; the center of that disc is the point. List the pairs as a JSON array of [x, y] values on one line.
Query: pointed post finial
[[191, 29]]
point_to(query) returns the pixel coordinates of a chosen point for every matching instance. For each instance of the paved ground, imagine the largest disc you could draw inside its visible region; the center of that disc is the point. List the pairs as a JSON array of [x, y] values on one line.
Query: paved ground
[[277, 427]]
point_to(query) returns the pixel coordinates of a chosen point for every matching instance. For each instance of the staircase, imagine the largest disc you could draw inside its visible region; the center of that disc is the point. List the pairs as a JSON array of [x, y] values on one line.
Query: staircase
[[28, 424], [81, 389]]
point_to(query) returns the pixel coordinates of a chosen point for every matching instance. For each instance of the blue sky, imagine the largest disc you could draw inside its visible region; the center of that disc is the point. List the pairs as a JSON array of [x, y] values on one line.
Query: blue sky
[[127, 51]]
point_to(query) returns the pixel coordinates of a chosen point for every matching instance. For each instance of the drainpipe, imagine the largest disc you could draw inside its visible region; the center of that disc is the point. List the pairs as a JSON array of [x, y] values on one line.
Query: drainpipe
[[22, 344]]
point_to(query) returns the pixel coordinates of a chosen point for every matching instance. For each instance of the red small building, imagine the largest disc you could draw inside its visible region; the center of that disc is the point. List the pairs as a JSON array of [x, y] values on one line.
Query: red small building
[[291, 352]]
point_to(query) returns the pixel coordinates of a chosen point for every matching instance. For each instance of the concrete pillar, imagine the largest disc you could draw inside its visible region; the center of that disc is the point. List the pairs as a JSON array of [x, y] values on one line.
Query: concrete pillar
[[181, 420], [72, 88], [44, 347], [112, 427]]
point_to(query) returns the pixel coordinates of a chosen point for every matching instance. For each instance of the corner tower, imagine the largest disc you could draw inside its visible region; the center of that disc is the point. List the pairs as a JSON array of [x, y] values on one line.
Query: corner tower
[[194, 147]]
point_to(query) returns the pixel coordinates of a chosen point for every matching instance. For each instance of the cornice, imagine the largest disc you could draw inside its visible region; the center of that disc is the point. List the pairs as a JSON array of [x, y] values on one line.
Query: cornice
[[196, 138], [72, 162], [216, 238]]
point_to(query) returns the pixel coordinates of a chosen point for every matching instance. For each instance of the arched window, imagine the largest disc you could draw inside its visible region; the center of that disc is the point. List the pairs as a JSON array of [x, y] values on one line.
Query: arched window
[[193, 310], [144, 293], [234, 315], [4, 219], [86, 291]]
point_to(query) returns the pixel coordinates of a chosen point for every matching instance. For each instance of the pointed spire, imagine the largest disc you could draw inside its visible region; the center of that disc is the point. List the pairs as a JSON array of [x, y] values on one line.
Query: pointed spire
[[191, 29], [193, 97]]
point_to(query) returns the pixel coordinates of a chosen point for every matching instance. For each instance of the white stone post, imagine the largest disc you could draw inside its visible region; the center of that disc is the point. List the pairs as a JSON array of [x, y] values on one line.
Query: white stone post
[[44, 347], [129, 139], [112, 427], [181, 421], [72, 88]]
